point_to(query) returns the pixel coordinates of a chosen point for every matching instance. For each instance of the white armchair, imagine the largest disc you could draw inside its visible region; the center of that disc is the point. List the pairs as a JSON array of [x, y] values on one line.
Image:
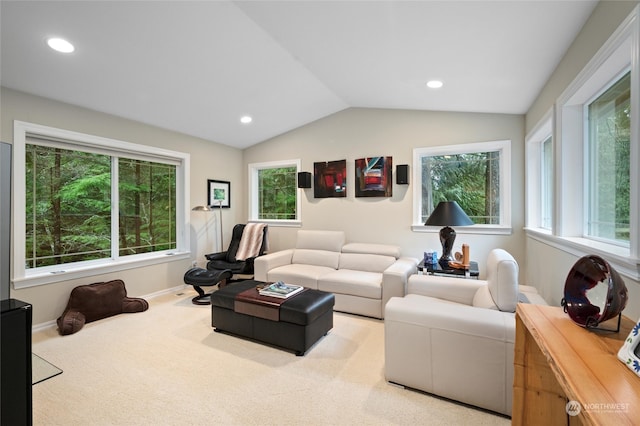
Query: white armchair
[[455, 338]]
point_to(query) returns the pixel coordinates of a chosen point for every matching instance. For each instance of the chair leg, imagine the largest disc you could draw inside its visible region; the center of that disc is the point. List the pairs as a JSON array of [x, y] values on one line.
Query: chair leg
[[202, 298], [205, 299]]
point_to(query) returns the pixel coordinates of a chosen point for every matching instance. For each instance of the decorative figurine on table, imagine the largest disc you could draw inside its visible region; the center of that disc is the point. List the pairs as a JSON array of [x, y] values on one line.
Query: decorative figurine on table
[[430, 257], [594, 292], [462, 259]]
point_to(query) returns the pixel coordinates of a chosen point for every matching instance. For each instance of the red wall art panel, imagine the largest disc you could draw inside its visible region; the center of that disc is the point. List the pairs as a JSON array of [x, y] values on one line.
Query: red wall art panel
[[373, 177], [330, 179]]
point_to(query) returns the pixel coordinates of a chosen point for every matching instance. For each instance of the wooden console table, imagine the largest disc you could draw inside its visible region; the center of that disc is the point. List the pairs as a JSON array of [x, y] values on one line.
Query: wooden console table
[[557, 361]]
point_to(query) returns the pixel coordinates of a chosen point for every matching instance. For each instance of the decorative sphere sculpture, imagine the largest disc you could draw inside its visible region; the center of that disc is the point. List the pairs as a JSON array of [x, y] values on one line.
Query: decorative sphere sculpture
[[594, 292]]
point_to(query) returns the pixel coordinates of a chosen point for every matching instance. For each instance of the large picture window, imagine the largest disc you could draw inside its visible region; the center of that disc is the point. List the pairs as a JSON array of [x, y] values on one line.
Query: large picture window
[[68, 206], [477, 176], [273, 192], [86, 203]]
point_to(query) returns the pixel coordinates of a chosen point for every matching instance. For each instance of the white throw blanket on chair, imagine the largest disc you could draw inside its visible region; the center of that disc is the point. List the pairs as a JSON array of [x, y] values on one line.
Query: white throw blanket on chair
[[251, 241]]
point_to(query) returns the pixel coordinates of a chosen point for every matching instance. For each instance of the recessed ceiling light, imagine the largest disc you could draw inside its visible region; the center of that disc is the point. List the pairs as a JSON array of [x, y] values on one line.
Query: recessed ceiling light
[[60, 45], [434, 84], [246, 119]]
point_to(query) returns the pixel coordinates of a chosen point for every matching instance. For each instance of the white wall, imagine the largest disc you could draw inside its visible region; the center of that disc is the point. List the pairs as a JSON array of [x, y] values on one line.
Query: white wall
[[548, 266], [208, 161], [357, 133]]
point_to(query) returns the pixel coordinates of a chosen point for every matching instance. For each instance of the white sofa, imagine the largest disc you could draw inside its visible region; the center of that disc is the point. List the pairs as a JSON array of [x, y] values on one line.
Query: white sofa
[[455, 338], [362, 276]]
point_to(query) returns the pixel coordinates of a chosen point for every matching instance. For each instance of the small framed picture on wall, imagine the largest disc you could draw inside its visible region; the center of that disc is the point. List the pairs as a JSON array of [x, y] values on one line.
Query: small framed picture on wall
[[218, 193]]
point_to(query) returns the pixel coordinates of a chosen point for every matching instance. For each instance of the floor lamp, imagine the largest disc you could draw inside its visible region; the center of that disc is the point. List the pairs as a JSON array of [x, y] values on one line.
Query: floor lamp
[[210, 209]]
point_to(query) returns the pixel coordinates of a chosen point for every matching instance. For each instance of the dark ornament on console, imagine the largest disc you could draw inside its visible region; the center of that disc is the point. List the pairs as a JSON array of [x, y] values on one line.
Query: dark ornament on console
[[588, 273]]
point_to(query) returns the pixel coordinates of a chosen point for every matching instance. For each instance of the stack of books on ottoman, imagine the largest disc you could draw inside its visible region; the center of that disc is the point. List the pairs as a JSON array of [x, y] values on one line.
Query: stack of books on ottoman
[[280, 289]]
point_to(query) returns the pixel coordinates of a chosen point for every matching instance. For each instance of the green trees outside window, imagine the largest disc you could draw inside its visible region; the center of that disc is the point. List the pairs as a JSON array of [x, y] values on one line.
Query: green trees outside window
[[147, 220], [471, 179], [277, 193], [69, 202], [609, 162]]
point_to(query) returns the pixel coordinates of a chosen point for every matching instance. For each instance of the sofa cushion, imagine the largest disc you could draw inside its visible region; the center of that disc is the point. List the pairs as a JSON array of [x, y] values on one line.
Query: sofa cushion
[[355, 283], [367, 248], [483, 299], [299, 274], [365, 262], [328, 259], [320, 240]]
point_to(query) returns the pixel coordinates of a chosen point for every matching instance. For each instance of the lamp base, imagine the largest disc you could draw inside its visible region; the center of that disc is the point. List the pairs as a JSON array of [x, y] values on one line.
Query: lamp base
[[447, 238]]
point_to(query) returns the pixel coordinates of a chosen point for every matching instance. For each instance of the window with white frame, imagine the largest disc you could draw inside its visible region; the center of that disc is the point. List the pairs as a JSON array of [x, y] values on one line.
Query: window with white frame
[[608, 163], [539, 176], [85, 203], [597, 135], [546, 183], [476, 175], [273, 195]]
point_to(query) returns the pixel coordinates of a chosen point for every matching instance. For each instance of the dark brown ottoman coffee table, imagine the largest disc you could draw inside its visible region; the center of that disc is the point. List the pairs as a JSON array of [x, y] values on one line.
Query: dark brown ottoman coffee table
[[296, 324]]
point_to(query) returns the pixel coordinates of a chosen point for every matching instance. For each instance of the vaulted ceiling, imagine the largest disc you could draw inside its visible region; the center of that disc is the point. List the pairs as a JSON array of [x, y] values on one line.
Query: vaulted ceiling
[[197, 67]]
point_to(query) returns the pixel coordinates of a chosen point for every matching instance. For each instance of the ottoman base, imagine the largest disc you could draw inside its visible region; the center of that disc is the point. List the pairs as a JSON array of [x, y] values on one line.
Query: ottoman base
[[284, 335], [302, 322]]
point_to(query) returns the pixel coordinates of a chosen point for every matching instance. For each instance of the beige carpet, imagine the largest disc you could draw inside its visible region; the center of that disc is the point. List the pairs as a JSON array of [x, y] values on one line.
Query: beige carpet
[[166, 366]]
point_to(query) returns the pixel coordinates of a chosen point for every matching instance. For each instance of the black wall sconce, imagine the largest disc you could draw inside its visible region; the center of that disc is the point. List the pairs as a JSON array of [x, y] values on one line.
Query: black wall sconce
[[402, 174], [304, 180]]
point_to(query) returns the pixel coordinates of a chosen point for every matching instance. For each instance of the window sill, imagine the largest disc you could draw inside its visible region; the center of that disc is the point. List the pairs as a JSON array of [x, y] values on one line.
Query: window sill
[[618, 257], [279, 223], [51, 276], [475, 229]]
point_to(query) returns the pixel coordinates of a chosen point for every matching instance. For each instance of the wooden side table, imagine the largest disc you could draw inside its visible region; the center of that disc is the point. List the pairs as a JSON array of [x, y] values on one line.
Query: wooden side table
[[566, 374]]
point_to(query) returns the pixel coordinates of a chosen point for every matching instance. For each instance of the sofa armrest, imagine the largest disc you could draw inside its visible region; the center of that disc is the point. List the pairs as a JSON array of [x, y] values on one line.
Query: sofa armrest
[[396, 276], [263, 264], [448, 288]]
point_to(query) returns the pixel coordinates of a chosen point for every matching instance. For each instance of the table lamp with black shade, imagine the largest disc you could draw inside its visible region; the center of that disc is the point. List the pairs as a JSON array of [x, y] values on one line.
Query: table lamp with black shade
[[447, 214]]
